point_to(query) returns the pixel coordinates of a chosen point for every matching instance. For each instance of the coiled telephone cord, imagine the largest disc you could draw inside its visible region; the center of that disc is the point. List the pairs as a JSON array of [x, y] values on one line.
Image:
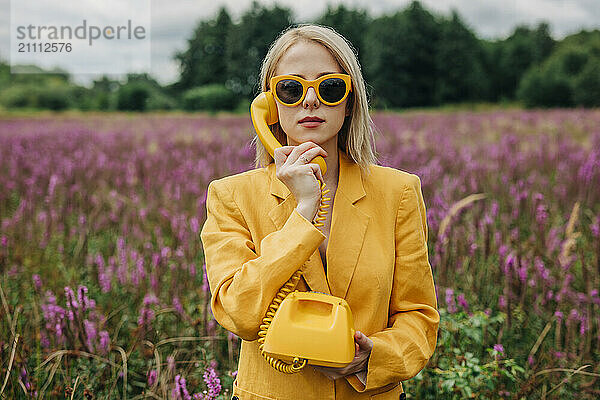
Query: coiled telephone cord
[[298, 363]]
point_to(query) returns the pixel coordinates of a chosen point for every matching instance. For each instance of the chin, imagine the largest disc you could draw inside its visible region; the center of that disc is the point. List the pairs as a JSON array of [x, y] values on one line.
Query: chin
[[314, 136]]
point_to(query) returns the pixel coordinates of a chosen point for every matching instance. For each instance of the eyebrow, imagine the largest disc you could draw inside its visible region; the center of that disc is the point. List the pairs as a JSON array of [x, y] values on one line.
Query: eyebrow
[[318, 76]]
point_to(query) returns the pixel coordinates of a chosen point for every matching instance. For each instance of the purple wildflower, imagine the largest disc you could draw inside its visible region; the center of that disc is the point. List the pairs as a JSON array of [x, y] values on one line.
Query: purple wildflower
[[84, 301], [51, 186], [146, 313], [595, 227], [54, 316], [155, 260], [90, 333], [472, 249], [522, 273], [195, 225], [171, 363], [154, 281], [463, 302], [180, 391], [559, 315], [499, 348], [139, 264], [494, 210], [37, 281], [509, 263], [177, 305], [72, 305], [559, 354], [232, 336], [205, 286], [44, 341], [213, 383], [123, 265], [502, 302], [23, 374], [502, 250], [103, 274], [541, 214], [146, 316], [450, 303], [211, 326], [583, 325], [152, 377], [150, 298], [573, 315], [104, 341]]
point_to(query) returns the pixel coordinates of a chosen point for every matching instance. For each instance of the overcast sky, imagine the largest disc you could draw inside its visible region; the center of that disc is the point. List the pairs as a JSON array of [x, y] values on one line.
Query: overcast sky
[[172, 21]]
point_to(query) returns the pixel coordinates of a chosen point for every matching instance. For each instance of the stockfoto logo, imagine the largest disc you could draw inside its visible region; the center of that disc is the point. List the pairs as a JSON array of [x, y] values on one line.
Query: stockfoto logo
[[83, 31]]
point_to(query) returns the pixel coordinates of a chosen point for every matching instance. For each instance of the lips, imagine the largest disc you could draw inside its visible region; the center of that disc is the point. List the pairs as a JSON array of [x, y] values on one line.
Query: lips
[[311, 119]]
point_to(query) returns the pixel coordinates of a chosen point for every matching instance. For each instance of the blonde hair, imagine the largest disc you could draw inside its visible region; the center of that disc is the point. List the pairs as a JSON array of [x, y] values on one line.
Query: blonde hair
[[356, 137]]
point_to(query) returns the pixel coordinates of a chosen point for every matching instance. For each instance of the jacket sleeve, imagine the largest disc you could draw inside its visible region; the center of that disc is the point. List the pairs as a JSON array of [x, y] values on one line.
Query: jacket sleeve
[[402, 349], [243, 283]]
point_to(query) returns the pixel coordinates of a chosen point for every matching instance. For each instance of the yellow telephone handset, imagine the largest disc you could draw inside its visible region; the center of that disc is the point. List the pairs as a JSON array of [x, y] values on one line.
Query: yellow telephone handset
[[264, 113], [301, 328]]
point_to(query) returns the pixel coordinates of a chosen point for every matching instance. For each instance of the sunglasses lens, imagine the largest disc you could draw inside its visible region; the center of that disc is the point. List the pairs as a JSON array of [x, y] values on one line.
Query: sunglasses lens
[[332, 89], [289, 91]]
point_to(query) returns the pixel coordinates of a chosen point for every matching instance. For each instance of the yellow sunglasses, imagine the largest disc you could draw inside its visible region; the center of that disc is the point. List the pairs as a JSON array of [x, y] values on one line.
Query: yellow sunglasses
[[331, 89]]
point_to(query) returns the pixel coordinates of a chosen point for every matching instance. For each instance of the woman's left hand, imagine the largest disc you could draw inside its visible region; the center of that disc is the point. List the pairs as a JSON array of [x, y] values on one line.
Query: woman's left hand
[[359, 363]]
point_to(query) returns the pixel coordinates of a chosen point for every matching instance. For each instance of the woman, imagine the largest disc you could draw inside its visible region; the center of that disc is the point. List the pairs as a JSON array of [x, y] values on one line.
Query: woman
[[371, 249]]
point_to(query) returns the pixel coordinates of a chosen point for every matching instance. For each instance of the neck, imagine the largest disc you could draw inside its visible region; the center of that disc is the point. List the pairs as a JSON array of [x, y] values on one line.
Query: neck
[[331, 177]]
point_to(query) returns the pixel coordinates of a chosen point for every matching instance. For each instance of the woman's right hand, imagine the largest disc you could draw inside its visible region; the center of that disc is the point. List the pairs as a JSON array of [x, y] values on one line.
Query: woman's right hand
[[301, 176]]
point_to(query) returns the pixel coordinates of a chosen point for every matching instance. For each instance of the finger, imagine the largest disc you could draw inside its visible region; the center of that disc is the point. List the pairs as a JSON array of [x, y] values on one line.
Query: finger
[[310, 155], [315, 147], [317, 171], [299, 150], [280, 154], [314, 152], [364, 342], [286, 149]]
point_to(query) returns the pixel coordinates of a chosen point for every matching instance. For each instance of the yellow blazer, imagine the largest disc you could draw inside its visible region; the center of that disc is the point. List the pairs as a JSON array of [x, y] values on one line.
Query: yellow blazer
[[254, 240]]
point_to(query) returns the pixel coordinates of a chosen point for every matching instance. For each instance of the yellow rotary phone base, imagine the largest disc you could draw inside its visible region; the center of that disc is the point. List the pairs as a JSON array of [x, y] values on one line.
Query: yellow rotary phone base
[[314, 326]]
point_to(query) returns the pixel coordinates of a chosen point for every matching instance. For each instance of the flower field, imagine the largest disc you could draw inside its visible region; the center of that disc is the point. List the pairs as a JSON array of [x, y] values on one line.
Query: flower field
[[103, 294]]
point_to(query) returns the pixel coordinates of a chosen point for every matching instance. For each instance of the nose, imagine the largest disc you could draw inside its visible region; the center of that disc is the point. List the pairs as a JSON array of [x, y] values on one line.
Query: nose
[[311, 99]]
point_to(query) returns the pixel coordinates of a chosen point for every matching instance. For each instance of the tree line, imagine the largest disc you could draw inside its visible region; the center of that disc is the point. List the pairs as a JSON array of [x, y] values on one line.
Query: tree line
[[410, 58]]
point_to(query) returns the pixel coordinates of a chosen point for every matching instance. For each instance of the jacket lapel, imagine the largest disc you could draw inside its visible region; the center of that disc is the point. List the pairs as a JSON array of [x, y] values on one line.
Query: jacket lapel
[[346, 236]]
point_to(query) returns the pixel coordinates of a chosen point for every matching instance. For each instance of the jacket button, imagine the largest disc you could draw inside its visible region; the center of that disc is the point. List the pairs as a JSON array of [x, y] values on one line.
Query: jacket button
[[402, 396]]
